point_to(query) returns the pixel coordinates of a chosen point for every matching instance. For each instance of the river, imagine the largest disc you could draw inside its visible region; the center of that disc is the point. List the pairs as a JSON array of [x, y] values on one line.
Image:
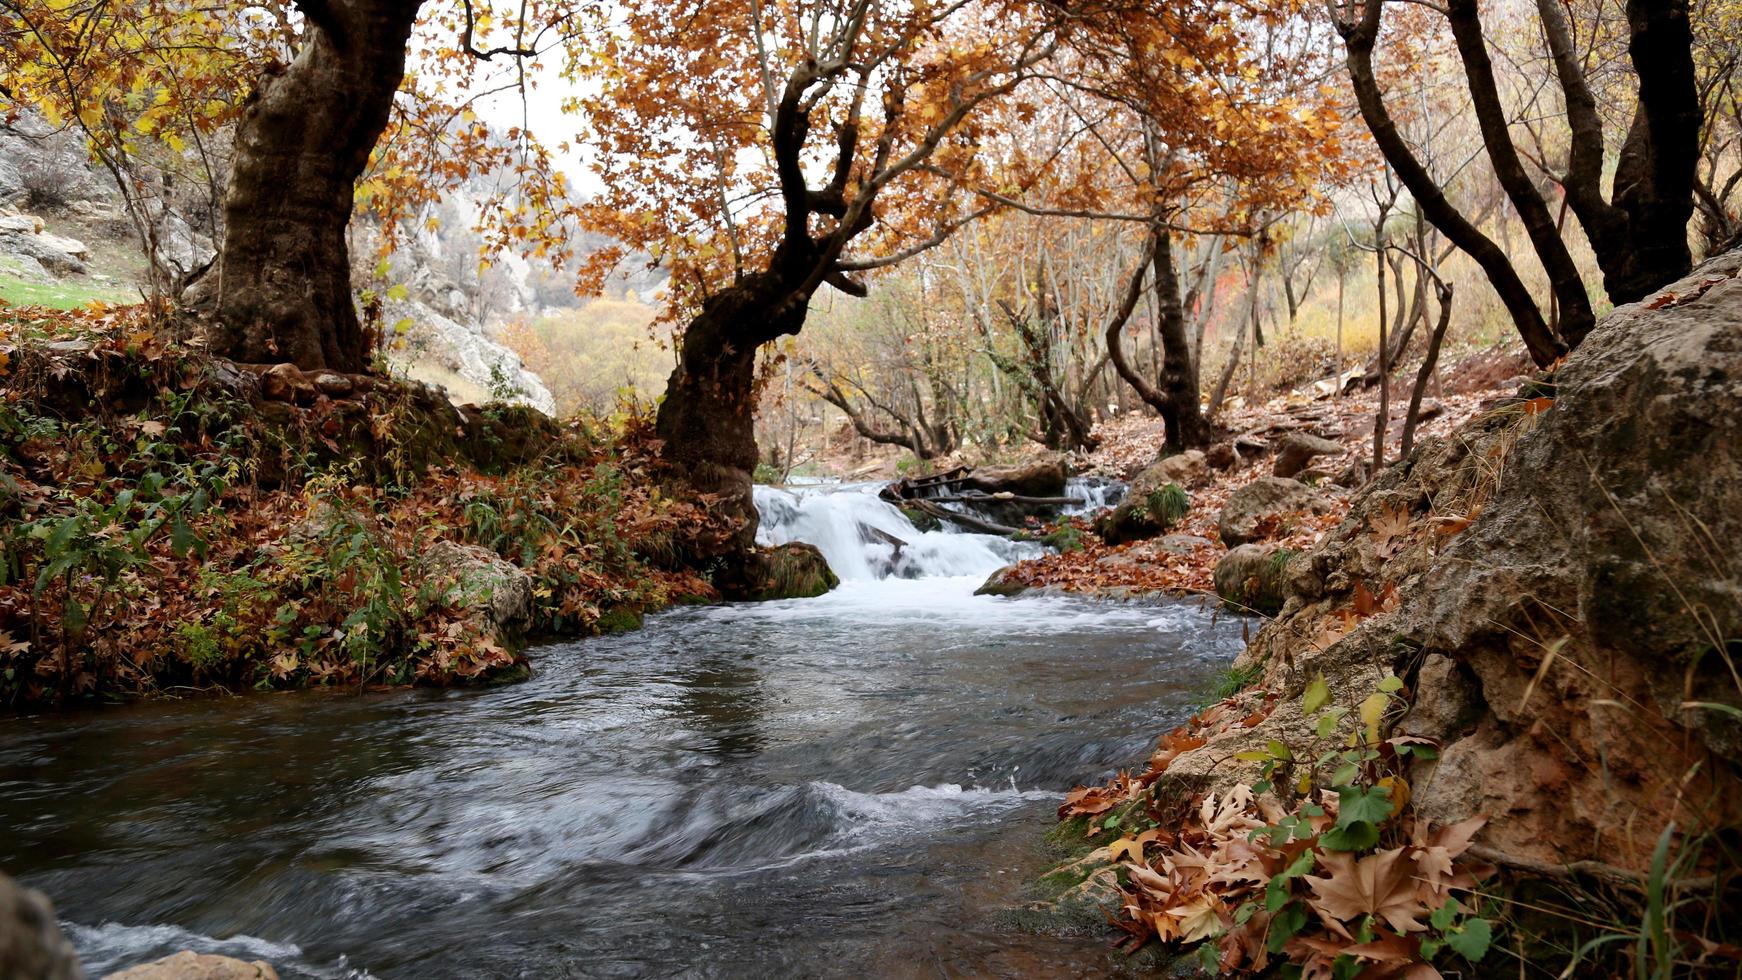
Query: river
[[842, 786]]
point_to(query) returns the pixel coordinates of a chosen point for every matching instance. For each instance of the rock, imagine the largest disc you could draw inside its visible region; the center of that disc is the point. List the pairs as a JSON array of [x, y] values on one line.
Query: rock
[[1186, 469], [1181, 545], [1044, 477], [286, 383], [458, 355], [1143, 515], [1002, 583], [1221, 456], [181, 250], [1354, 474], [334, 385], [22, 235], [31, 944], [188, 965], [1247, 509], [788, 571], [1250, 578], [494, 594], [1559, 646], [1298, 449]]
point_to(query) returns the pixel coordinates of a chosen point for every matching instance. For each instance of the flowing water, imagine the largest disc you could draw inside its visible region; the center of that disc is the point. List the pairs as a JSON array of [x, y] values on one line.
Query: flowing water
[[841, 786]]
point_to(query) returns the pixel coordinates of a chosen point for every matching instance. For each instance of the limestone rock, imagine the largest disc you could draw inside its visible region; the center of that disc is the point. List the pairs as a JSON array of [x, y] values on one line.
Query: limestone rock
[[31, 944], [1557, 644], [22, 235], [1247, 508], [188, 965], [1186, 469], [495, 593], [1297, 450], [1250, 578], [1221, 456]]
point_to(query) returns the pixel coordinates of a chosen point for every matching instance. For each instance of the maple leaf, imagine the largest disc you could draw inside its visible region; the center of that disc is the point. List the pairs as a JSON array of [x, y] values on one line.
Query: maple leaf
[[1390, 526], [1434, 856], [1381, 884]]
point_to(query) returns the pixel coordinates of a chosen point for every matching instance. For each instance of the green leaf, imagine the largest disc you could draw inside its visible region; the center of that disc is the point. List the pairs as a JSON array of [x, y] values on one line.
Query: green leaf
[[1327, 725], [1365, 805], [1279, 750], [181, 537], [1472, 940], [1317, 693], [1358, 836], [1443, 917], [1288, 921], [1391, 684]]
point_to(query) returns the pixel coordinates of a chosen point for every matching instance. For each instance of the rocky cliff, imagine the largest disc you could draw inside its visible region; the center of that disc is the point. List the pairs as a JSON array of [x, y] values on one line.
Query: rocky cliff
[[1558, 585]]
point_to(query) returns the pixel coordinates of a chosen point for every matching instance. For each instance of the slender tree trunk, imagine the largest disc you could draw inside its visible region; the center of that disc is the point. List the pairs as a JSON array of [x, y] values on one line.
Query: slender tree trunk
[[1339, 376], [1429, 368], [1176, 399], [1359, 38], [1382, 417], [281, 288], [1570, 298]]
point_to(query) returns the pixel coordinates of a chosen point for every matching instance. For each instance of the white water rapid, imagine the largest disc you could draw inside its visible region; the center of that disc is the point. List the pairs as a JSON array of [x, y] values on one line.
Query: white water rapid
[[865, 538]]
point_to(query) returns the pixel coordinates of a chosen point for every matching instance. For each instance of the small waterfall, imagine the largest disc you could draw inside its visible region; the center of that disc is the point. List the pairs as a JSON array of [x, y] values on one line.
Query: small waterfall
[[865, 538]]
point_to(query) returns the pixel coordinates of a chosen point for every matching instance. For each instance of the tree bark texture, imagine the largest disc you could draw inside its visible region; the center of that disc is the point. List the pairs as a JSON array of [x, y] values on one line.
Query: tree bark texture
[[281, 288]]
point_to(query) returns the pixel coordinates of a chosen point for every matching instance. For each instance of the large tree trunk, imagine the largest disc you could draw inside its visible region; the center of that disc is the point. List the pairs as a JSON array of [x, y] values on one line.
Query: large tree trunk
[[708, 417], [281, 288], [1641, 237]]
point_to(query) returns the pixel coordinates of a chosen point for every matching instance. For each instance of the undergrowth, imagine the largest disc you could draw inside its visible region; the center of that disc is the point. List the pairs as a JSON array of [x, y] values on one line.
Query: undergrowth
[[158, 532]]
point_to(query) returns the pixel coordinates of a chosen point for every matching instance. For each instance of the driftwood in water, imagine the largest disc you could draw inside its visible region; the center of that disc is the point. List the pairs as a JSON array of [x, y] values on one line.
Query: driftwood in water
[[1007, 498], [878, 534], [969, 521]]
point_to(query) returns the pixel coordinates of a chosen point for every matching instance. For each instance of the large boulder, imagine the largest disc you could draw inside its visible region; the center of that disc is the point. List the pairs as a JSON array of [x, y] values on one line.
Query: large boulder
[[188, 965], [790, 571], [1265, 501], [493, 594], [31, 944], [1296, 451], [22, 235], [1186, 469], [1554, 584]]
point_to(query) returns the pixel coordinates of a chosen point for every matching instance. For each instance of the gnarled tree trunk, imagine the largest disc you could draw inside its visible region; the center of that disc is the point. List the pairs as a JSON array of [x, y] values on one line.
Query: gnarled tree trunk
[[708, 417], [281, 287]]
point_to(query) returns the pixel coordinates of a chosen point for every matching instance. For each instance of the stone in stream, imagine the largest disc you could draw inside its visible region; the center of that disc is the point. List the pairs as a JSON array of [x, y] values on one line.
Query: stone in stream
[[790, 571], [31, 943], [493, 594], [188, 965], [1044, 477]]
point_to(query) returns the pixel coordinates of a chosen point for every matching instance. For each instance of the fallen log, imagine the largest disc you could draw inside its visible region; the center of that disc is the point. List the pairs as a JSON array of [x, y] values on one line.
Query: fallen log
[[1007, 498], [969, 521]]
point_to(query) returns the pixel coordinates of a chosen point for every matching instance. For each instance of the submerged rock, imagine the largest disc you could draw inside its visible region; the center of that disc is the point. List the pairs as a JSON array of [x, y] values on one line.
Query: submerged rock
[[188, 965]]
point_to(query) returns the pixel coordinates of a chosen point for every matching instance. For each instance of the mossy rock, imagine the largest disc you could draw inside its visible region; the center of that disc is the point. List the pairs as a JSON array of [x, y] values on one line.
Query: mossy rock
[[921, 520], [620, 619], [1252, 578], [1064, 540], [790, 571]]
